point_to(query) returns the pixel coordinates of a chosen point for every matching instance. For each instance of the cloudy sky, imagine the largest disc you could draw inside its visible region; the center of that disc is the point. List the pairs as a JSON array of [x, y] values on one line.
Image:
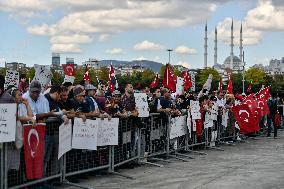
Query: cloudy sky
[[138, 29]]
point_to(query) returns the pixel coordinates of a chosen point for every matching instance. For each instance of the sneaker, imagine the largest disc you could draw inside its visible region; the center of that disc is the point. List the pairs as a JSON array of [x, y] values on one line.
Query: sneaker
[[275, 137]]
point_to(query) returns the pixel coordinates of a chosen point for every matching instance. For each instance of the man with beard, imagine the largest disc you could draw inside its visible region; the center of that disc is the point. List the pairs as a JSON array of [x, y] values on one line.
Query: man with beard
[[128, 101]]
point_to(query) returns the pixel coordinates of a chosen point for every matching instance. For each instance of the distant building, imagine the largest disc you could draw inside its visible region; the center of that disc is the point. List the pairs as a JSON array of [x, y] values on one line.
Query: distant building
[[92, 63], [15, 66], [275, 67], [70, 60], [129, 69], [55, 60]]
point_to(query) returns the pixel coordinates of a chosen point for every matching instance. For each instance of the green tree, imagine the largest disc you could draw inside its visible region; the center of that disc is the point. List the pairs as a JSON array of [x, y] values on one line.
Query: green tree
[[57, 78], [147, 77], [256, 75]]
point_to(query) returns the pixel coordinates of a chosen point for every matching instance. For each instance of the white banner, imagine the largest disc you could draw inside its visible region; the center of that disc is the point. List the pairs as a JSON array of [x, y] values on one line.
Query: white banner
[[68, 78], [108, 132], [225, 119], [11, 78], [8, 122], [141, 104], [193, 125], [188, 122], [178, 127], [85, 134], [195, 110], [65, 139], [214, 112]]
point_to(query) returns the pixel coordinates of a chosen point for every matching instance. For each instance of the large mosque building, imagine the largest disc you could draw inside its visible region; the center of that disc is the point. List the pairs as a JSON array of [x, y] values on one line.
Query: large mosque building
[[232, 63]]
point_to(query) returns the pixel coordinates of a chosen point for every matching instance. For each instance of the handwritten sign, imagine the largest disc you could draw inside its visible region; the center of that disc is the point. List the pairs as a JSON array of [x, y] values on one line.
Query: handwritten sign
[[208, 121], [193, 125], [7, 122], [11, 78], [188, 123], [65, 139], [195, 110], [225, 119], [68, 78], [85, 134], [214, 112], [178, 127], [108, 132], [141, 104], [192, 77], [43, 75]]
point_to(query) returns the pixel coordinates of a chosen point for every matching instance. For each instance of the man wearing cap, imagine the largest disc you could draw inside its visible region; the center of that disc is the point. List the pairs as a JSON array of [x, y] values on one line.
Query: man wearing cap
[[79, 104], [4, 96], [113, 107], [90, 98], [37, 101]]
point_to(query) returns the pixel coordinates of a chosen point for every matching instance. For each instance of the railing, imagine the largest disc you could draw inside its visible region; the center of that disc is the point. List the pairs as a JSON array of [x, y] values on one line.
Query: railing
[[140, 140]]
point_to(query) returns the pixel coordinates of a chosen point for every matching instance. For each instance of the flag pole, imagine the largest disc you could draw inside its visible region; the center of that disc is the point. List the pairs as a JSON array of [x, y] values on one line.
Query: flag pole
[[243, 73]]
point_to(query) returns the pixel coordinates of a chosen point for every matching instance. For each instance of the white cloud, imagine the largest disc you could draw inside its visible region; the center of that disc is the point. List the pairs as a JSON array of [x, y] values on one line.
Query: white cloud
[[266, 16], [42, 29], [114, 51], [140, 58], [156, 58], [182, 49], [250, 35], [65, 48], [104, 37], [184, 64], [147, 45], [67, 39], [2, 60]]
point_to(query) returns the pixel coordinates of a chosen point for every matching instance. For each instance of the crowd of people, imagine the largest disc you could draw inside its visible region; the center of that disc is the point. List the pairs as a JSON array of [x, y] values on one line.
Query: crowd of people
[[86, 101]]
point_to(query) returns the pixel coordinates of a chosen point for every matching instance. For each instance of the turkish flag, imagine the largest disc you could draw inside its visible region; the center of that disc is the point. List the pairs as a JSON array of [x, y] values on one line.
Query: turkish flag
[[155, 83], [111, 79], [170, 79], [86, 75], [34, 150], [187, 81], [230, 85], [264, 93], [69, 69], [246, 120]]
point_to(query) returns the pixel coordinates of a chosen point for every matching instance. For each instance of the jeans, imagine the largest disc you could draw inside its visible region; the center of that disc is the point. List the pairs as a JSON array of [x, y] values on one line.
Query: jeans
[[50, 148]]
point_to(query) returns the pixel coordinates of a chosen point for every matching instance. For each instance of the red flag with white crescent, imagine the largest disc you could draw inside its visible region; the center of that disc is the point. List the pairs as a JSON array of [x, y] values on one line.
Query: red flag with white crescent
[[170, 79], [187, 80], [69, 69], [34, 150], [86, 75], [111, 79]]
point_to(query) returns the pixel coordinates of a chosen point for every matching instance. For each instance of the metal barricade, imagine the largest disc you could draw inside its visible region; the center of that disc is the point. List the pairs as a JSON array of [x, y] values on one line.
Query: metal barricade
[[2, 163], [16, 171], [129, 140]]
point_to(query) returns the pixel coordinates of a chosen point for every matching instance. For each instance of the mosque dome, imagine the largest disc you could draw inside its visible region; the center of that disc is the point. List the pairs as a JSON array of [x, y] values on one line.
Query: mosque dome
[[237, 63]]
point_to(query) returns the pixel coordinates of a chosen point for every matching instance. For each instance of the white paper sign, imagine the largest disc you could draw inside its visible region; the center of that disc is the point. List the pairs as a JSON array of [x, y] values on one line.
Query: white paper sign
[[7, 122], [195, 110], [141, 104], [179, 85], [178, 127], [208, 121], [43, 75], [68, 78], [11, 78], [85, 134], [108, 132], [65, 139]]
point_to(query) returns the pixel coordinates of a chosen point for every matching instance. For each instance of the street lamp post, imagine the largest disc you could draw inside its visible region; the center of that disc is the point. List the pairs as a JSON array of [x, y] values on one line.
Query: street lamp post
[[169, 50], [243, 73]]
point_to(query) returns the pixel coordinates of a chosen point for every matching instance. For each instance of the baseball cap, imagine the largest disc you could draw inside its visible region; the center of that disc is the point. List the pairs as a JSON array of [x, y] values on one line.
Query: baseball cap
[[78, 90], [35, 86], [116, 92], [90, 87]]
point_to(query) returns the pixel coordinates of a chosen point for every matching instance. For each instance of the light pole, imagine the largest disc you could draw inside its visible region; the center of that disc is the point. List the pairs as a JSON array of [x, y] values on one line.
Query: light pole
[[243, 73], [169, 50]]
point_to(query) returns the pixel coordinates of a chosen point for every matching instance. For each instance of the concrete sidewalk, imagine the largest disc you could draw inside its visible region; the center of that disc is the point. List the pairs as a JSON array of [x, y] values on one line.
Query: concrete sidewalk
[[250, 164]]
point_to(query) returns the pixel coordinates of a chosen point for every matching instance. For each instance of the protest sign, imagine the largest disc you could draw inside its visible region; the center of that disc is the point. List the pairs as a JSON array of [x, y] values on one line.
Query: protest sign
[[178, 127], [85, 134], [7, 122], [11, 79], [195, 110], [141, 104], [108, 132], [65, 139]]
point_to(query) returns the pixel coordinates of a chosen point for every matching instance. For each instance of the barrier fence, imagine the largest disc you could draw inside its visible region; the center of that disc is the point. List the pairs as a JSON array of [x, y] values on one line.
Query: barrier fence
[[140, 140]]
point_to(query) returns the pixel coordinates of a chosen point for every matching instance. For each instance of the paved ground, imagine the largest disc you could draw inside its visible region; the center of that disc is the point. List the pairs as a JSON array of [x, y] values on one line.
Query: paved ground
[[252, 164]]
